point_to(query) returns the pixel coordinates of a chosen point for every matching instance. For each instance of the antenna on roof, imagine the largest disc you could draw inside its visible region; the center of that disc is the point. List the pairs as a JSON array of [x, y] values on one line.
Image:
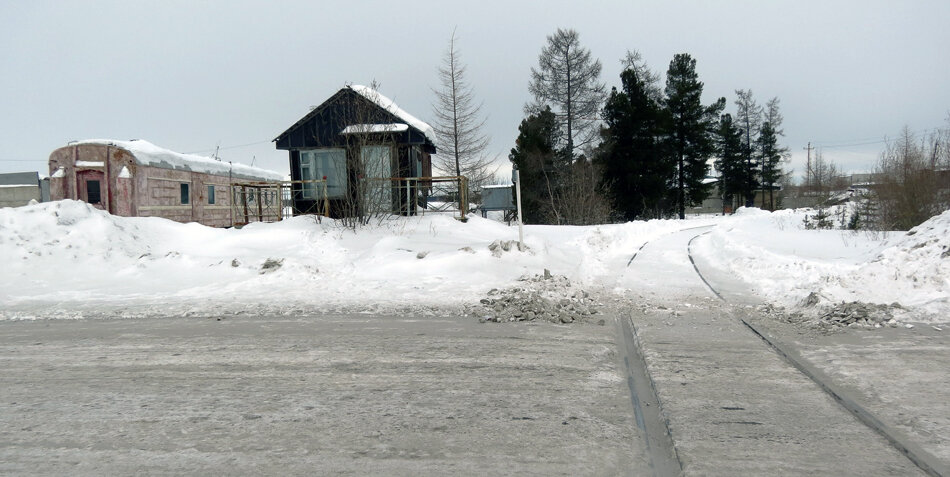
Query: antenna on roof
[[216, 152]]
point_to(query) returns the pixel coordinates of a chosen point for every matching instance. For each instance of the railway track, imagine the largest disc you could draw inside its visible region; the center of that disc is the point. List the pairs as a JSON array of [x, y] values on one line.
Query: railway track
[[924, 460]]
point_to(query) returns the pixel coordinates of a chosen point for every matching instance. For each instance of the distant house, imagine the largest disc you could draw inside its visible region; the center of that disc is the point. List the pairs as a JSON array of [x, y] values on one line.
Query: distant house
[[19, 188], [355, 151], [139, 179]]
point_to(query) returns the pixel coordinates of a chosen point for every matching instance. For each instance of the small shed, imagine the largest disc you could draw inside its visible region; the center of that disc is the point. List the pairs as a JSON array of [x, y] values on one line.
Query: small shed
[[357, 150], [139, 179], [19, 188], [498, 198]]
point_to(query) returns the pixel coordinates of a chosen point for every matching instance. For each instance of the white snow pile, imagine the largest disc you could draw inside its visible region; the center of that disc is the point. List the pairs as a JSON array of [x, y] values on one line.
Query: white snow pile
[[67, 259], [838, 276]]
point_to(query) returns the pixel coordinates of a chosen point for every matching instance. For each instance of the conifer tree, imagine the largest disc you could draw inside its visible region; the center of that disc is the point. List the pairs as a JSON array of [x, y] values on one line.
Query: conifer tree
[[749, 120], [691, 126], [568, 80], [534, 156], [459, 124], [770, 157], [770, 153], [637, 172], [730, 163]]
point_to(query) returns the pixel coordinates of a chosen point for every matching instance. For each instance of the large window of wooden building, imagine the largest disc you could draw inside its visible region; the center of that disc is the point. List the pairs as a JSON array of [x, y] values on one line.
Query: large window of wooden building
[[317, 164]]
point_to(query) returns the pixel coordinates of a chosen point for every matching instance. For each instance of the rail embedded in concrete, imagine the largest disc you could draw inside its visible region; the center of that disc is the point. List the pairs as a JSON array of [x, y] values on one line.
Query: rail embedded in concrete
[[646, 405], [926, 461]]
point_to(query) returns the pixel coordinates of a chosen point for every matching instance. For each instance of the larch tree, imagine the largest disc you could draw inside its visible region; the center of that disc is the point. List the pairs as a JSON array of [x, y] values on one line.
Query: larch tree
[[649, 78], [459, 124], [691, 128], [568, 80], [749, 119]]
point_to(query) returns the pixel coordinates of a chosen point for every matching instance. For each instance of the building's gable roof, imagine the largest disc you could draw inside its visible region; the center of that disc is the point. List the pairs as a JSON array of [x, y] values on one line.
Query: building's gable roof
[[375, 98], [148, 154]]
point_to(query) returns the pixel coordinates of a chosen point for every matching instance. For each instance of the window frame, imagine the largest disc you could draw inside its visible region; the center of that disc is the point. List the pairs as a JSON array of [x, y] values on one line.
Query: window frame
[[329, 163], [98, 191], [185, 197]]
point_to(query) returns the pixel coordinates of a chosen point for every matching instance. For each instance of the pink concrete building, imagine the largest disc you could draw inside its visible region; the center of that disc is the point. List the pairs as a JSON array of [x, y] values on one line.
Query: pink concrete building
[[138, 179]]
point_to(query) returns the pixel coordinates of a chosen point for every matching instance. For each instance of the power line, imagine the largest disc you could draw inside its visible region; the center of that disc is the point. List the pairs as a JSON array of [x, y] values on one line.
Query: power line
[[832, 146], [869, 140], [229, 147]]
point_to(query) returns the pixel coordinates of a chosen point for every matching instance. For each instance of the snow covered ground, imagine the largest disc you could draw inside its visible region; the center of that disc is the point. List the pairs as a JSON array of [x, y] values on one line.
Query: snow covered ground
[[67, 259]]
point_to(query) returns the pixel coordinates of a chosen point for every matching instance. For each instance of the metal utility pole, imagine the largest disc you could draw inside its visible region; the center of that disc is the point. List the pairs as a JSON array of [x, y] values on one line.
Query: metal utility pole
[[517, 178]]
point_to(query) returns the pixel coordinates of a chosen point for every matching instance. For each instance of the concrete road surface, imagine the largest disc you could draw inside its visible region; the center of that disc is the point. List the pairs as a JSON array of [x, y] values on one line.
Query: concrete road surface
[[345, 395]]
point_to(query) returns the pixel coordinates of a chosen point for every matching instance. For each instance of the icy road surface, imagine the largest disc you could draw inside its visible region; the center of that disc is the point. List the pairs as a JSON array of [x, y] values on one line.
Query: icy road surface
[[322, 395]]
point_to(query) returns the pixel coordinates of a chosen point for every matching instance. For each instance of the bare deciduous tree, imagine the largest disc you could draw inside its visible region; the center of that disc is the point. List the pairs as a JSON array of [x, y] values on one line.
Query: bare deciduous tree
[[458, 125], [911, 182], [749, 120], [568, 80], [649, 78]]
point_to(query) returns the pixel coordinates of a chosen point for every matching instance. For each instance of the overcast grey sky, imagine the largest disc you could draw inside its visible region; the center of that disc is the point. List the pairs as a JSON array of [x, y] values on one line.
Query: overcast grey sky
[[192, 75]]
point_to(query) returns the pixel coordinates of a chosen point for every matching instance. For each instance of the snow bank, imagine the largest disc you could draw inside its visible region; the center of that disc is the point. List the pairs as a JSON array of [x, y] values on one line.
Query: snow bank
[[785, 263], [914, 270], [68, 258]]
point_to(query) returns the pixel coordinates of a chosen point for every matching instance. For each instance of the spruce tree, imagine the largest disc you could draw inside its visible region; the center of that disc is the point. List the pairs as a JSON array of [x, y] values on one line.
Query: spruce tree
[[691, 126], [534, 155], [770, 157], [730, 163], [636, 172]]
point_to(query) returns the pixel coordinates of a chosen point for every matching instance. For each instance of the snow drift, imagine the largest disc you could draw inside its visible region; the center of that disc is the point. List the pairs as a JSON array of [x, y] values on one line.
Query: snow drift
[[69, 259]]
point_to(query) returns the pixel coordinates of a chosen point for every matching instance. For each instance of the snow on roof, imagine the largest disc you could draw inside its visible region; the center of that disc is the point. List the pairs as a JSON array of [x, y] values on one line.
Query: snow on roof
[[148, 154], [375, 128], [388, 104]]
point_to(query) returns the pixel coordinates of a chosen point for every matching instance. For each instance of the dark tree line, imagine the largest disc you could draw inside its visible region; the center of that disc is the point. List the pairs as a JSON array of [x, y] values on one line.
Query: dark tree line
[[656, 142]]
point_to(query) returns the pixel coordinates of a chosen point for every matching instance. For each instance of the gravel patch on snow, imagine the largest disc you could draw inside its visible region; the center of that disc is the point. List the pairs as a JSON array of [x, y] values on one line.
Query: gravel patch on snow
[[545, 297]]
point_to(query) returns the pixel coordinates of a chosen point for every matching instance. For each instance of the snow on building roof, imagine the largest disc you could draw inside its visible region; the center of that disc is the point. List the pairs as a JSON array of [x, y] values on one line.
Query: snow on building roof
[[148, 154], [375, 128], [388, 104]]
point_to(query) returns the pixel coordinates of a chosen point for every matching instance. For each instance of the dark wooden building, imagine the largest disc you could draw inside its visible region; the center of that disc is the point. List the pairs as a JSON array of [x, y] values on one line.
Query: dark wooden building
[[358, 151]]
